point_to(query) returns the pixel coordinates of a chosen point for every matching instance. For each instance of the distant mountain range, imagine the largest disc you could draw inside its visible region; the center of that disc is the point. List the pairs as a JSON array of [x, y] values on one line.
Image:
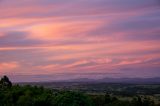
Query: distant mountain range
[[155, 80]]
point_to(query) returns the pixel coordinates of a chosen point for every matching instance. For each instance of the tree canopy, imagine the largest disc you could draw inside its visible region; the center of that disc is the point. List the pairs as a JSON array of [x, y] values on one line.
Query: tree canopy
[[5, 82], [28, 95]]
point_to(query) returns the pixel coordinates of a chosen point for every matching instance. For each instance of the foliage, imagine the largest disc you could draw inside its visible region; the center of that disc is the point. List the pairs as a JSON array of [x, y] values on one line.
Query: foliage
[[5, 83], [38, 96], [72, 99]]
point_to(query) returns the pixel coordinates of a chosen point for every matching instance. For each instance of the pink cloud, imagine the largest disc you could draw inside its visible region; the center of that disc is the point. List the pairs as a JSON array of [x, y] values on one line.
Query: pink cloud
[[48, 37], [7, 67]]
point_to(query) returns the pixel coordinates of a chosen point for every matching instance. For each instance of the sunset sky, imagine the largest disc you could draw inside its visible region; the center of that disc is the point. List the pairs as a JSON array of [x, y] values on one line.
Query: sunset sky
[[66, 39]]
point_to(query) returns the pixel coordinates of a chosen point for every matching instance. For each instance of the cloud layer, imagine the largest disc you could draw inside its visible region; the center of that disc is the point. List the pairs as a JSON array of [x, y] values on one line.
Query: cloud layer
[[45, 37]]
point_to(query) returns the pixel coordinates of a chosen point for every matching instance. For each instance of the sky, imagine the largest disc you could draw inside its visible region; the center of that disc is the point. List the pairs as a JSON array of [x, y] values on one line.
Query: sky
[[44, 40]]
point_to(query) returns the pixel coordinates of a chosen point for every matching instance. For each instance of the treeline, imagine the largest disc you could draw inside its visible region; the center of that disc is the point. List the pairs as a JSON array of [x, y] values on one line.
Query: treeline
[[38, 96]]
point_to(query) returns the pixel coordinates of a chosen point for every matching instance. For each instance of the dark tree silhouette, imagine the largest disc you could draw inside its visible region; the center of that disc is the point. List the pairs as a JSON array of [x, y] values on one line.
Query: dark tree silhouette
[[5, 82], [107, 98]]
